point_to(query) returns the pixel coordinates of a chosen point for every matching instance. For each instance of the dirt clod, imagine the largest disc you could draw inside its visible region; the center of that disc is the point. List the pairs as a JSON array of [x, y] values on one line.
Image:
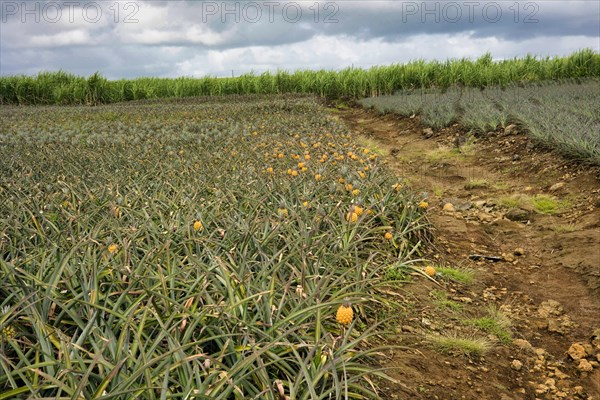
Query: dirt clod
[[584, 365], [550, 308], [516, 365], [577, 351]]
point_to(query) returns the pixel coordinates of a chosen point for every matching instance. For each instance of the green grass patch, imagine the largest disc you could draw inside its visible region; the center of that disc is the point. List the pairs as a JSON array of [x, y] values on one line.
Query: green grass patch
[[515, 201], [456, 344], [501, 185], [495, 323], [540, 203], [443, 153], [372, 145], [441, 300], [545, 204], [477, 184], [566, 228], [465, 276]]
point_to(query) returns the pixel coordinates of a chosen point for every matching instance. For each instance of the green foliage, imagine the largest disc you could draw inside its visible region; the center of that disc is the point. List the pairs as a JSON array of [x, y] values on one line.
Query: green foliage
[[563, 116], [63, 88], [441, 300], [545, 204], [109, 288], [465, 276], [495, 323], [457, 344]]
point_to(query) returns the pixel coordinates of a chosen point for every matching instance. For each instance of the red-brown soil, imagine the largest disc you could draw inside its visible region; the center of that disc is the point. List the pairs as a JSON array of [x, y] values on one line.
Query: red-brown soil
[[560, 263]]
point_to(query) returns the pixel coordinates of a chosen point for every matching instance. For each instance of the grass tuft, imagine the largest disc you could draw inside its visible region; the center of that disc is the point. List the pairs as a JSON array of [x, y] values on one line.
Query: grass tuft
[[545, 204], [495, 323], [465, 276], [476, 184], [456, 344]]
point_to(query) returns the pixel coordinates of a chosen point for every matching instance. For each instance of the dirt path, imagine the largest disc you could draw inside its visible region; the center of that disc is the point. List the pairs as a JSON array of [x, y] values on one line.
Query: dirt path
[[547, 283]]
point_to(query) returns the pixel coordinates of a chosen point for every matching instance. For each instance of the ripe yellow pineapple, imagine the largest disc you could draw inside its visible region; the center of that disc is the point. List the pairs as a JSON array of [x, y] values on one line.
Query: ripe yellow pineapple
[[344, 314], [358, 210], [429, 270], [352, 217]]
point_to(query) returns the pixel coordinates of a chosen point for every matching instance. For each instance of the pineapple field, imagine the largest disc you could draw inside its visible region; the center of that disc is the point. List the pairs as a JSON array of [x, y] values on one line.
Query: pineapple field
[[422, 231], [196, 248]]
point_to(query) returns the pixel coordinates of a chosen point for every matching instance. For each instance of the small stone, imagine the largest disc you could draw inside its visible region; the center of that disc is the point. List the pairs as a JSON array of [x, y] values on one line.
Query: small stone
[[576, 351], [557, 326], [556, 186], [508, 257], [459, 204], [550, 308], [516, 157], [589, 350], [479, 203], [578, 390], [540, 352], [541, 389], [484, 217], [523, 345], [559, 374], [428, 132], [510, 129], [517, 214], [519, 251], [550, 382], [584, 365], [598, 357], [448, 207], [408, 328], [516, 365]]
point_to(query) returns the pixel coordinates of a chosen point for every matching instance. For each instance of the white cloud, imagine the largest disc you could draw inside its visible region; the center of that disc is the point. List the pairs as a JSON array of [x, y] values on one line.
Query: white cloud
[[175, 38], [68, 38], [337, 52]]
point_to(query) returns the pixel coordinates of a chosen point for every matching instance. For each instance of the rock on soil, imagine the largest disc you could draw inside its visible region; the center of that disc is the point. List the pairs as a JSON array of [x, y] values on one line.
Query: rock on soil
[[448, 207], [550, 308], [524, 345], [517, 214], [510, 129], [516, 365], [584, 365]]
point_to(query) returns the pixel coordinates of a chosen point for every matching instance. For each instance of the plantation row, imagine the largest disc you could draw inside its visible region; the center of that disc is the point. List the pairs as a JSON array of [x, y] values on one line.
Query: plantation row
[[194, 249], [64, 88], [561, 116]]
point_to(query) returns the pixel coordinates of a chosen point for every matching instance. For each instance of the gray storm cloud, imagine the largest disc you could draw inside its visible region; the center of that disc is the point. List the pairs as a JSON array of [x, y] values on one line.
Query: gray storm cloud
[[140, 38]]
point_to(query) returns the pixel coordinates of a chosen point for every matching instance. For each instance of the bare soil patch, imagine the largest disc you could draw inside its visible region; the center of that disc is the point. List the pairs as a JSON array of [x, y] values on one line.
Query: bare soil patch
[[538, 213]]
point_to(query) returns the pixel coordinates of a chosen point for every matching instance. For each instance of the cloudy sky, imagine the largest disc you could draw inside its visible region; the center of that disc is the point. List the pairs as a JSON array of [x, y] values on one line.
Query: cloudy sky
[[125, 39]]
